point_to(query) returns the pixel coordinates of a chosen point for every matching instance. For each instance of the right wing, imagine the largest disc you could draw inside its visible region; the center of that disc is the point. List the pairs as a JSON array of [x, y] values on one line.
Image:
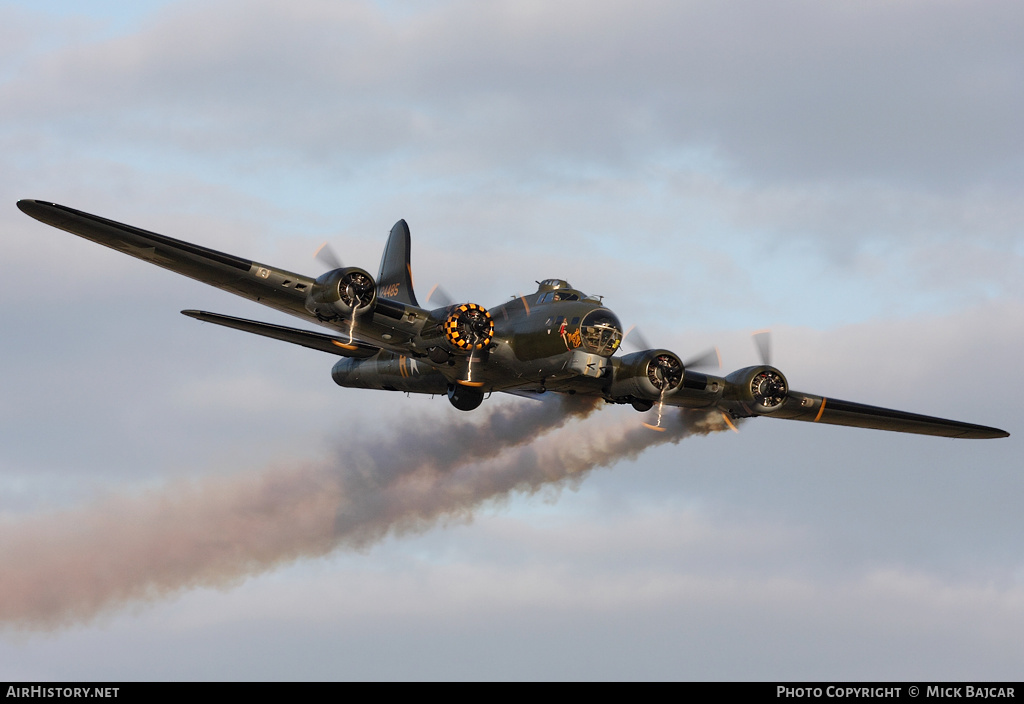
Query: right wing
[[283, 290], [393, 324]]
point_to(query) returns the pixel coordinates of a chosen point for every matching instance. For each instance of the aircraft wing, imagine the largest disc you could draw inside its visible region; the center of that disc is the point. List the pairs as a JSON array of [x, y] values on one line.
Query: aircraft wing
[[819, 409], [283, 290], [762, 391]]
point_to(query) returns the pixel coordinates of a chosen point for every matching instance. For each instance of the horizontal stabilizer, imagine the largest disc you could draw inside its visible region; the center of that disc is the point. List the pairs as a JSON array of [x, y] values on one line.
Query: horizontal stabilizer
[[334, 344]]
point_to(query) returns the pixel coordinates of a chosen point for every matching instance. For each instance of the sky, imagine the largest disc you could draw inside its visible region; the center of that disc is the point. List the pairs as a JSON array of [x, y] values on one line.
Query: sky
[[849, 175]]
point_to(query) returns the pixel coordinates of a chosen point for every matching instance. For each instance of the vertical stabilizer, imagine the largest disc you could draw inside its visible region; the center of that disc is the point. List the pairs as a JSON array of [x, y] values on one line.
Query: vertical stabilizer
[[395, 278]]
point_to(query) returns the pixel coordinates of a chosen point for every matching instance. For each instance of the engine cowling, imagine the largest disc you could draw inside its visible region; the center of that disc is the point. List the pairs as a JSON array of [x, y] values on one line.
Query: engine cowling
[[457, 330], [649, 375], [761, 389], [342, 293], [469, 327]]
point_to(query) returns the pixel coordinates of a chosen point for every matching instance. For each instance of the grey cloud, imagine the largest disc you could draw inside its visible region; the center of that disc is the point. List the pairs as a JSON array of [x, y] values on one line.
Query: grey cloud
[[601, 120], [919, 92], [545, 620]]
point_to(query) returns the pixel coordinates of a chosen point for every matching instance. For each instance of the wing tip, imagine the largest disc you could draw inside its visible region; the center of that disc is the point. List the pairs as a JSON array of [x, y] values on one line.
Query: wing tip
[[30, 206], [981, 432], [42, 210]]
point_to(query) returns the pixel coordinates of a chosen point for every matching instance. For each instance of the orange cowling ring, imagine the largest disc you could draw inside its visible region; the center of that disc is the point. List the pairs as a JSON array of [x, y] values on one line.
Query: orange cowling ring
[[469, 327]]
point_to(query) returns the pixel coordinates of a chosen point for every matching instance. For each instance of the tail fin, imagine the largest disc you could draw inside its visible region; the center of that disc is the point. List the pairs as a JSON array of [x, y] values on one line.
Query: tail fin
[[395, 278]]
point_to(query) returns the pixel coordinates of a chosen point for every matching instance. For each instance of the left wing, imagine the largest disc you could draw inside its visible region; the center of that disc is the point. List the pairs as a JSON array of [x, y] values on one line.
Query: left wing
[[658, 376], [764, 391], [818, 409]]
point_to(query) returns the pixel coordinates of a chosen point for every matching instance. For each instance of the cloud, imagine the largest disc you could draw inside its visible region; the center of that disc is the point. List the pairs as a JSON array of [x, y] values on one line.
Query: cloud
[[917, 93]]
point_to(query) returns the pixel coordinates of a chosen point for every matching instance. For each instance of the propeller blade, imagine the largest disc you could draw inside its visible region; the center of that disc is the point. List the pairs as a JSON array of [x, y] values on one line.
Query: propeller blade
[[728, 421], [711, 359], [526, 305], [637, 340], [439, 296], [326, 255], [763, 341]]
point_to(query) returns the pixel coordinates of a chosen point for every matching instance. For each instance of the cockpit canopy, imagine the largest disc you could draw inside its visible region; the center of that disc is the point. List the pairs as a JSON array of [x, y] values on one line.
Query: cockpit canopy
[[559, 295], [559, 290], [552, 284]]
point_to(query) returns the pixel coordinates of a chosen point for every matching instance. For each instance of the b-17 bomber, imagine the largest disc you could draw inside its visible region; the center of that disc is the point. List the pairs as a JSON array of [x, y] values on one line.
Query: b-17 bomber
[[556, 340]]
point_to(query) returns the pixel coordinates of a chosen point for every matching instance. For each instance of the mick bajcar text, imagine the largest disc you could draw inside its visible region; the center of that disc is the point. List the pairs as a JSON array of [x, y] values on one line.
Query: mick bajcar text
[[964, 691]]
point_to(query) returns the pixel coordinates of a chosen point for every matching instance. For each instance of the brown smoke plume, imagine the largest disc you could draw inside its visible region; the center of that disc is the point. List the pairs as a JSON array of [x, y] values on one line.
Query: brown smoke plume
[[68, 567]]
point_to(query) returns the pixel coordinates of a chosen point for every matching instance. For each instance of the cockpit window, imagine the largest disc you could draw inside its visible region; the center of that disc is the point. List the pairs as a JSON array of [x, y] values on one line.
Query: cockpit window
[[601, 332], [558, 296]]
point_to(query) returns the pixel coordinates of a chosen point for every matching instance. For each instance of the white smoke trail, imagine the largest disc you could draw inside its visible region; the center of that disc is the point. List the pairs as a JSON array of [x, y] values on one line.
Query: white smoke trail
[[68, 567]]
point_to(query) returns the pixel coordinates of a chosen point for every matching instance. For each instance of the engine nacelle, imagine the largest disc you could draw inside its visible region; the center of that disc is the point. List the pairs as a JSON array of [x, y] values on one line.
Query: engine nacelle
[[649, 375], [757, 390], [342, 293], [469, 327], [464, 328]]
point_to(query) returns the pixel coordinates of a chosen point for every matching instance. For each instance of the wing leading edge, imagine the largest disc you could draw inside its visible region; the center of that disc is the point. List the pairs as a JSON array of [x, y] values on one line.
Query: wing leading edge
[[762, 391], [833, 411], [283, 290]]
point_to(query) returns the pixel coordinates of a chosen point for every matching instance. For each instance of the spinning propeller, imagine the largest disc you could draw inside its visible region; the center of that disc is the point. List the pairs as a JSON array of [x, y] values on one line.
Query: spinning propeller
[[768, 387], [439, 296], [763, 342], [326, 255], [356, 289], [708, 359]]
